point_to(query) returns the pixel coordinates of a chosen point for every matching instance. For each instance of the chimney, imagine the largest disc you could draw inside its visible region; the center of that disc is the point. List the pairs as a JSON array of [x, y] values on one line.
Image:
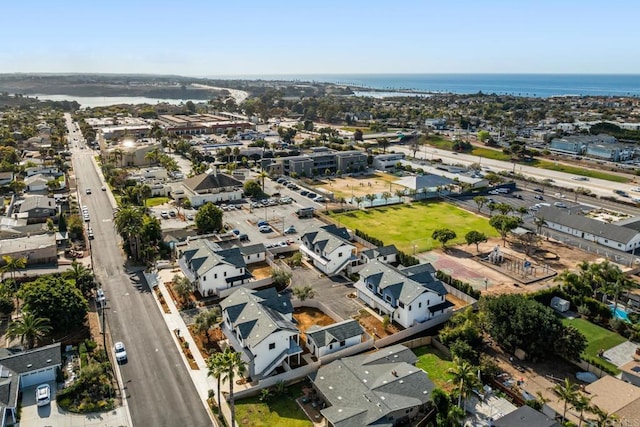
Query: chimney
[[394, 373]]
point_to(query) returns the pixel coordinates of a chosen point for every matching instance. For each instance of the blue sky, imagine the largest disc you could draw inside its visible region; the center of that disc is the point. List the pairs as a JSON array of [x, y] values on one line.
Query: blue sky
[[236, 37]]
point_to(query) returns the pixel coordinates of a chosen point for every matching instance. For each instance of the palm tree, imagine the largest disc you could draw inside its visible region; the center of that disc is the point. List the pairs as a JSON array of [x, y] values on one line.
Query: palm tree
[[582, 403], [153, 155], [12, 265], [605, 419], [399, 192], [128, 222], [358, 200], [464, 374], [82, 276], [144, 193], [455, 416], [386, 196], [370, 198], [216, 365], [205, 320], [304, 292], [568, 392], [234, 365], [262, 175], [539, 222], [29, 328]]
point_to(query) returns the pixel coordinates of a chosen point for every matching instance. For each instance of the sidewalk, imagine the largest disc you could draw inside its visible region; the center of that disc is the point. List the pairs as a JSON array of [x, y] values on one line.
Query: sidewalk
[[174, 321]]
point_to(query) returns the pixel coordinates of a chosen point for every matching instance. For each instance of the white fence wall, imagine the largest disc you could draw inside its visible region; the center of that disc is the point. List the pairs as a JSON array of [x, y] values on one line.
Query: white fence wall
[[349, 351], [286, 377], [316, 304], [459, 294], [404, 334]]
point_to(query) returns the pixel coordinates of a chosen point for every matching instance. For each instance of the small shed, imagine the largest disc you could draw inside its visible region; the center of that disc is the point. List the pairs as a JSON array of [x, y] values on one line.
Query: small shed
[[560, 304]]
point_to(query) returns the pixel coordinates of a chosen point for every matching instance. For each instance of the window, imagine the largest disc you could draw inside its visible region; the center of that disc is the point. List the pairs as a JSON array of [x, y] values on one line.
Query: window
[[420, 305], [343, 343], [204, 278], [401, 305], [215, 275], [387, 298], [409, 307], [370, 286], [272, 346], [225, 274], [339, 254], [330, 346]]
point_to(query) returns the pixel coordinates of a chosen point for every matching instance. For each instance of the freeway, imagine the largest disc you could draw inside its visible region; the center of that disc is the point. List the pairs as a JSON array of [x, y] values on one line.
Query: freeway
[[157, 384], [600, 187]]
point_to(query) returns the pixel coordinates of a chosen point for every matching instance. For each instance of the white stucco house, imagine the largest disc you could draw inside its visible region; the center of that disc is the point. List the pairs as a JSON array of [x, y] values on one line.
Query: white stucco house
[[387, 254], [329, 339], [408, 296], [210, 186], [259, 324], [329, 248], [212, 269]]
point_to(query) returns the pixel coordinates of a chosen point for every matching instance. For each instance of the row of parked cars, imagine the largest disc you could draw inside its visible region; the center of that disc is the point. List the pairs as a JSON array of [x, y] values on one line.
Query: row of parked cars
[[290, 185], [271, 202]]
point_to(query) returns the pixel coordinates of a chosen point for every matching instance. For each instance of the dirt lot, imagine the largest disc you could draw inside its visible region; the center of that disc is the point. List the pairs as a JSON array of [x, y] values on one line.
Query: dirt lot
[[261, 271], [373, 326], [360, 185], [309, 316]]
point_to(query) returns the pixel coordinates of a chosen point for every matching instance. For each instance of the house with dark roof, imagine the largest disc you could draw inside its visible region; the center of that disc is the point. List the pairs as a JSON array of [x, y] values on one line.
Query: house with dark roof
[[525, 416], [259, 325], [211, 268], [329, 248], [37, 208], [6, 178], [22, 369], [211, 186], [408, 296], [338, 336], [381, 389], [387, 254], [622, 236]]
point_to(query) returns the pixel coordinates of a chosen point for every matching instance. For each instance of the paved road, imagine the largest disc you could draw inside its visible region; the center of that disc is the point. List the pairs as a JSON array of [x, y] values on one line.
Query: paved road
[[158, 387]]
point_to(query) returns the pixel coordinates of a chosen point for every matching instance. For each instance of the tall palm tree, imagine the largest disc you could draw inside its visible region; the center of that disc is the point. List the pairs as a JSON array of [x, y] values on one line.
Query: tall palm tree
[[216, 365], [11, 265], [582, 403], [82, 276], [153, 155], [605, 419], [386, 196], [455, 416], [29, 328], [144, 193], [128, 222], [234, 365], [465, 375], [358, 200], [568, 392], [539, 222], [370, 198], [262, 175]]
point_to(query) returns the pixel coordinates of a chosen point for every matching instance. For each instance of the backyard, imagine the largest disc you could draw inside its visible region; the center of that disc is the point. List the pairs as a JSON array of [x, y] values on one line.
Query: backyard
[[436, 365], [409, 227], [598, 338], [281, 411]]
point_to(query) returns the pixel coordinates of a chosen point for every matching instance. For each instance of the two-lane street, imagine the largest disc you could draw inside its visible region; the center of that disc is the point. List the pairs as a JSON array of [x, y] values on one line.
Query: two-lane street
[[157, 385]]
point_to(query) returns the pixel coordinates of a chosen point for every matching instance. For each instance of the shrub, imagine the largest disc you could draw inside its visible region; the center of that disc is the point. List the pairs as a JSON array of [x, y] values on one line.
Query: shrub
[[458, 284], [90, 345]]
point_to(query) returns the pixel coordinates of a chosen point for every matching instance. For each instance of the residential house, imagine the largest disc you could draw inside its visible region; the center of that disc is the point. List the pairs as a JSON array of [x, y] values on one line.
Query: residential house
[[617, 397], [259, 324], [631, 371], [338, 336], [36, 208], [210, 186], [387, 162], [23, 369], [437, 124], [39, 182], [381, 389], [212, 269], [408, 296], [387, 254], [44, 170], [329, 248], [38, 249], [6, 178], [525, 416], [623, 235]]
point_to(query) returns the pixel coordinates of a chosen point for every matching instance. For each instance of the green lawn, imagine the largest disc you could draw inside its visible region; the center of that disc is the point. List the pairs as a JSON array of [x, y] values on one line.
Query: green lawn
[[597, 338], [435, 364], [409, 225], [278, 411], [156, 201]]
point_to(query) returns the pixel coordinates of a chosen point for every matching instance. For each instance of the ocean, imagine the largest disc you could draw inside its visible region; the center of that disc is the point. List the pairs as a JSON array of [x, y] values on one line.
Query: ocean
[[536, 85]]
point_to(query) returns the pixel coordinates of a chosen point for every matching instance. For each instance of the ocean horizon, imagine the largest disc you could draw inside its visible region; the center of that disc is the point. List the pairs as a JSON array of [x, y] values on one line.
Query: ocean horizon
[[534, 85]]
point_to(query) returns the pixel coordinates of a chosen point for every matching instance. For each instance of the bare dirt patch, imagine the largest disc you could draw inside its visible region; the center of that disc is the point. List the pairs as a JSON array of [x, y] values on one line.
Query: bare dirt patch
[[353, 186], [207, 343], [261, 270], [309, 316], [374, 326], [95, 331]]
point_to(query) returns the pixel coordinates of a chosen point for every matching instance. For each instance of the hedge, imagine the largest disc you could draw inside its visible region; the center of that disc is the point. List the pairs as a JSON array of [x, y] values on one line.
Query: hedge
[[458, 284], [403, 258]]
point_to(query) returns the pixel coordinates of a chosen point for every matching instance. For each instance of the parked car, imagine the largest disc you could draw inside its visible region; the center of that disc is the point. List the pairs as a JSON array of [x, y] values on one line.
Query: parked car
[[319, 199], [164, 214], [559, 205], [121, 352], [190, 217], [312, 195], [262, 223], [104, 188], [88, 191], [243, 238], [172, 214], [265, 229], [304, 193], [290, 230], [538, 197], [43, 395]]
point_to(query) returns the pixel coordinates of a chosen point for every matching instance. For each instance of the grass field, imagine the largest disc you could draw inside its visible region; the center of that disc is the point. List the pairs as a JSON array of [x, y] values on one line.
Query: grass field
[[409, 225], [435, 364], [156, 201], [277, 411], [597, 338]]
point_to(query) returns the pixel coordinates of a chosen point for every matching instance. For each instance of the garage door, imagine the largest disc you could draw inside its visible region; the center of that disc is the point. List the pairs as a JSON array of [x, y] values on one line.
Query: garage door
[[38, 377]]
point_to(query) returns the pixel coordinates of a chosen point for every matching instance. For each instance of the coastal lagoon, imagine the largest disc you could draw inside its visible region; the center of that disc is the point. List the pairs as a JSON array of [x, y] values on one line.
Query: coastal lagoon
[[103, 101]]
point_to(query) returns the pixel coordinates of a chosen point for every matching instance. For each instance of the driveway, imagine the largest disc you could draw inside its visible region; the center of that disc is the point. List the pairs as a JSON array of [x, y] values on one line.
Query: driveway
[[331, 291], [52, 415]]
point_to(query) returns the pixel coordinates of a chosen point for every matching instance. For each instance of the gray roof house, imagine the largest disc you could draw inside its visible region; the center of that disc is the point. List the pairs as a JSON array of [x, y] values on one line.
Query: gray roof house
[[381, 389], [38, 207], [408, 296], [332, 338], [387, 254], [259, 324], [329, 248], [22, 369], [620, 237], [525, 416], [209, 187]]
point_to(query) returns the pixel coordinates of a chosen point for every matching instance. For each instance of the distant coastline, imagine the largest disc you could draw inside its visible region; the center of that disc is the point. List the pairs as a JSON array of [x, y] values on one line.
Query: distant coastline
[[533, 85]]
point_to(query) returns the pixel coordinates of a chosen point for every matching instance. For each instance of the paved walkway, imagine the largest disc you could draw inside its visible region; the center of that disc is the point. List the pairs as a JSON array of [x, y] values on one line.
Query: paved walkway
[[173, 320]]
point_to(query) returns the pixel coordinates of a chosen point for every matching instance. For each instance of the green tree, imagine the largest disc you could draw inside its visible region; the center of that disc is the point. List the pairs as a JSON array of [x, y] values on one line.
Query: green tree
[[128, 221], [205, 320], [443, 235], [280, 278], [29, 328], [357, 135], [464, 377], [370, 198], [304, 292], [11, 265], [57, 299], [484, 136], [82, 277], [475, 237], [582, 403], [183, 288], [234, 366], [209, 218], [252, 188], [480, 202], [504, 208], [383, 143], [262, 175], [566, 391], [504, 224], [216, 368]]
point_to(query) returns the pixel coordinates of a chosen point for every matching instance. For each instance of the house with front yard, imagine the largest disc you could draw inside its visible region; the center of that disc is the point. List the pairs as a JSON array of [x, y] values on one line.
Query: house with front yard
[[259, 325], [524, 416], [37, 208], [37, 249], [330, 249], [212, 269], [22, 369], [408, 296], [383, 388], [338, 336], [211, 186]]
